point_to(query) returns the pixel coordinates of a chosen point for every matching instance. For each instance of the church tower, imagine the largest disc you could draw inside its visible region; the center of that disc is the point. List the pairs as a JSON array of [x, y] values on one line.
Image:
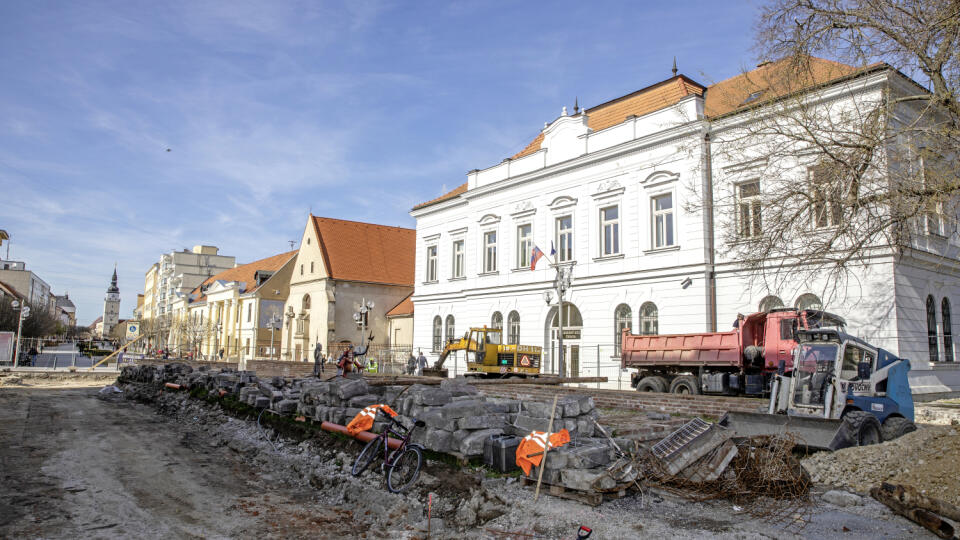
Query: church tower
[[111, 306]]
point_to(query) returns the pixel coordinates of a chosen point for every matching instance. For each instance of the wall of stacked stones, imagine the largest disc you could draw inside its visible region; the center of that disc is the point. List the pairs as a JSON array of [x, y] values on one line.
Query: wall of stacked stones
[[458, 417]]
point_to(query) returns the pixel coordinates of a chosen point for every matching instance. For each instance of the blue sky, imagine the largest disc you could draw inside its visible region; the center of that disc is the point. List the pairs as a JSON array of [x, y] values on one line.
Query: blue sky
[[354, 110]]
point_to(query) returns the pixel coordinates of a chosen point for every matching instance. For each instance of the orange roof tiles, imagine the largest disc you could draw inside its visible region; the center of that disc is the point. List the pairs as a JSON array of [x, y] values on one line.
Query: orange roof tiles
[[356, 251], [405, 307], [771, 80], [245, 273]]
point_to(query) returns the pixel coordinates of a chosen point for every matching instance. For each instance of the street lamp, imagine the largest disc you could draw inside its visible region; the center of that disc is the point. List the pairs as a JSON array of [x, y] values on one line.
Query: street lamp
[[561, 284], [361, 318], [24, 313]]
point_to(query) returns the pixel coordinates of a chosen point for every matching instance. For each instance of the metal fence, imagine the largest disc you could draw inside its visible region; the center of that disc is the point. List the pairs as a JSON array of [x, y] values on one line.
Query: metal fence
[[57, 353]]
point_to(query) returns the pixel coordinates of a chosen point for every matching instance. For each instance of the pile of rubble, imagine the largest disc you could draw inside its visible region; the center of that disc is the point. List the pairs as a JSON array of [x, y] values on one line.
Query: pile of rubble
[[458, 418], [925, 459]]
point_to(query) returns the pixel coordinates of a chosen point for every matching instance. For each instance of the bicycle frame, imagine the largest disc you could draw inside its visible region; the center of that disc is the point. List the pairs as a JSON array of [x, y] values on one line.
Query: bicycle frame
[[404, 438]]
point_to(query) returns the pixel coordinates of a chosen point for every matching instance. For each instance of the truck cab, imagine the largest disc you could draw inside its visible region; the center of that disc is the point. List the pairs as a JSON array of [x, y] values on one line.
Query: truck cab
[[770, 338]]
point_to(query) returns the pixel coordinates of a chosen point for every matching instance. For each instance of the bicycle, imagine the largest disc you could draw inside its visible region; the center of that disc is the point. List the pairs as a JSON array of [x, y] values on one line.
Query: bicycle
[[402, 466]]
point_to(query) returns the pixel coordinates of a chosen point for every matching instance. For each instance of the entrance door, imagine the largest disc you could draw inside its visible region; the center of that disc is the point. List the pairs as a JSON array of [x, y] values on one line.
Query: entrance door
[[572, 327]]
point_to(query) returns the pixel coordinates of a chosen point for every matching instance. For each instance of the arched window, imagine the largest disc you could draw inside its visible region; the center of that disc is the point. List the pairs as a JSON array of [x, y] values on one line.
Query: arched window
[[513, 328], [306, 301], [809, 301], [932, 330], [496, 321], [648, 319], [621, 319], [449, 330], [770, 303], [437, 334], [947, 330]]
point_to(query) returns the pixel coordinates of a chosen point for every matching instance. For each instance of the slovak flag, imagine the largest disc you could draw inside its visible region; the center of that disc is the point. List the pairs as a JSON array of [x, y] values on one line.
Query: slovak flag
[[534, 257]]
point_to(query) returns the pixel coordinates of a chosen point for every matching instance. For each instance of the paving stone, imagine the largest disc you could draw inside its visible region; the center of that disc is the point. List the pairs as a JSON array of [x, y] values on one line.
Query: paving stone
[[462, 409], [536, 409], [550, 476], [363, 401], [351, 387], [556, 458], [486, 421], [286, 406], [499, 405], [432, 397], [586, 404], [569, 406], [585, 426], [526, 424], [586, 479], [472, 444], [437, 440], [262, 402], [435, 419], [587, 457]]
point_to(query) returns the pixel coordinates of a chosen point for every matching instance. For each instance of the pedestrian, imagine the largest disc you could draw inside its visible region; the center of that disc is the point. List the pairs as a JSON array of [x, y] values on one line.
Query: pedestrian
[[411, 364], [421, 363], [221, 354], [33, 356], [318, 360], [739, 322]]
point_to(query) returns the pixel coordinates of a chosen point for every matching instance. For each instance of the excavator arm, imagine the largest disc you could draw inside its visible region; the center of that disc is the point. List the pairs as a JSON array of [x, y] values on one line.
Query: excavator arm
[[463, 344]]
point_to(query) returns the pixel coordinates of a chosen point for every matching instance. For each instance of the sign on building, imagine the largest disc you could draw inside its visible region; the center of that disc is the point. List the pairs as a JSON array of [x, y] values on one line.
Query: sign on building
[[133, 330], [6, 346]]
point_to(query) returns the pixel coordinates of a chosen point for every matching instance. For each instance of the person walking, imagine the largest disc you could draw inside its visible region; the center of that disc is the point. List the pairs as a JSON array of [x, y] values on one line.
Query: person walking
[[221, 354], [421, 363], [411, 364]]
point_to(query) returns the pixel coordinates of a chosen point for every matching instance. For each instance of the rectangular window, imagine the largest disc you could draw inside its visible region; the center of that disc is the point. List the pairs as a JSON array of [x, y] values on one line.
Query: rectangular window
[[249, 312], [431, 263], [564, 238], [458, 266], [826, 208], [748, 210], [663, 233], [524, 245], [490, 251], [610, 230]]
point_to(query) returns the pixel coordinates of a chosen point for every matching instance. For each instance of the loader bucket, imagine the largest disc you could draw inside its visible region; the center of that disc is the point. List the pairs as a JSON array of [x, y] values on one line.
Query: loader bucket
[[810, 432]]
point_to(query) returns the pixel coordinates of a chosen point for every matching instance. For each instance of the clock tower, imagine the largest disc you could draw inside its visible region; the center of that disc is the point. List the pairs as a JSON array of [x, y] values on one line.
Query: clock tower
[[111, 306]]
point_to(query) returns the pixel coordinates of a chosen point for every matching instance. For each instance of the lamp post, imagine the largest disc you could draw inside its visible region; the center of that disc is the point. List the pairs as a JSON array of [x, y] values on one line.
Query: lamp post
[[24, 312], [360, 317], [561, 284]]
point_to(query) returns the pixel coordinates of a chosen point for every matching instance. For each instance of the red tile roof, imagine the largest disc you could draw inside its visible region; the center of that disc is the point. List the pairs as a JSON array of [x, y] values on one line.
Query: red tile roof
[[244, 273], [356, 251], [771, 80], [405, 307]]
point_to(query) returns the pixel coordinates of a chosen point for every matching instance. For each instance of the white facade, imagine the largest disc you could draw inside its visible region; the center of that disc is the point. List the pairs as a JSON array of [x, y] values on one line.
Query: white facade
[[181, 272], [654, 264]]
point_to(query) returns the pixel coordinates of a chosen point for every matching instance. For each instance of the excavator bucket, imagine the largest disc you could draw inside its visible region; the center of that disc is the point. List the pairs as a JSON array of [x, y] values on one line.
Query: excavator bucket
[[811, 433]]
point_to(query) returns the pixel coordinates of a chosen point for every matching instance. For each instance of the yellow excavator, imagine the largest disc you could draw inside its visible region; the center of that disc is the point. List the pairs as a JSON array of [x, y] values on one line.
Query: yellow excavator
[[487, 357]]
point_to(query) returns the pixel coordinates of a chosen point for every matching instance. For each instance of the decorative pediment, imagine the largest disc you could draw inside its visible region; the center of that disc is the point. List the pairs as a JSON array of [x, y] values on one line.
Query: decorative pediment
[[659, 177], [489, 219], [522, 209], [608, 188]]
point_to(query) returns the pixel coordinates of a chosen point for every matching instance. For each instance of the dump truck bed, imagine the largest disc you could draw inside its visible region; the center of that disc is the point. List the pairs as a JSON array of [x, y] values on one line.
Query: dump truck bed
[[705, 349]]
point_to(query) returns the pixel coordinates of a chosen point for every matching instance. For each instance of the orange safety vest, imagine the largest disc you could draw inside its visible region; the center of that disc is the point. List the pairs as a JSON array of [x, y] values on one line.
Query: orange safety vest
[[535, 443], [363, 421]]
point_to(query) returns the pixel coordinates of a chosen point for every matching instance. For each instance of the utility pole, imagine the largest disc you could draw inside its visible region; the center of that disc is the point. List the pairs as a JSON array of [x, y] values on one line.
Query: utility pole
[[24, 311], [561, 284]]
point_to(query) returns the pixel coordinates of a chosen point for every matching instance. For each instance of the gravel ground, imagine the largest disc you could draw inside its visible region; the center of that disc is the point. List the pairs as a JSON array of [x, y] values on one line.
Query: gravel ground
[[925, 459]]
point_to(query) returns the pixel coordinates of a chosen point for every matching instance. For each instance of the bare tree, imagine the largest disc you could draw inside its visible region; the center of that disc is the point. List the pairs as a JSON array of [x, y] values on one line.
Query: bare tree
[[828, 164]]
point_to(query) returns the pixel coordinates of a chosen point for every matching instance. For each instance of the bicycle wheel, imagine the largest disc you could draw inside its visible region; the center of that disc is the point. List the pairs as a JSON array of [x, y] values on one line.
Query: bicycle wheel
[[405, 470], [366, 457]]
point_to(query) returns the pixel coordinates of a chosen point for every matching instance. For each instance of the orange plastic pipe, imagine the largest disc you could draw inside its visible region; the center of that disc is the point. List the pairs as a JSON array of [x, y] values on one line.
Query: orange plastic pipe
[[364, 436], [174, 386]]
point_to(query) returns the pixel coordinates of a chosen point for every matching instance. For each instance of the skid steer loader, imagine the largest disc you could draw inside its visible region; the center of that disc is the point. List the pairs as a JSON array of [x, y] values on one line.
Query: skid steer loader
[[842, 392]]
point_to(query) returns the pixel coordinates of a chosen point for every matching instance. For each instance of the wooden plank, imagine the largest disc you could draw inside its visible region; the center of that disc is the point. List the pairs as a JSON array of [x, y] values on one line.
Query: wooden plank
[[391, 380]]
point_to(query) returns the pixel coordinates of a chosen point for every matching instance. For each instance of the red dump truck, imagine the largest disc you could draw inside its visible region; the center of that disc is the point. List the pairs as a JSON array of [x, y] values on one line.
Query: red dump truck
[[741, 361]]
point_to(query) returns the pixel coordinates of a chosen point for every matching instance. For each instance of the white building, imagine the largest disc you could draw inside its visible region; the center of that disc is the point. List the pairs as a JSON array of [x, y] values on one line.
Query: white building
[[608, 188], [34, 289], [180, 272]]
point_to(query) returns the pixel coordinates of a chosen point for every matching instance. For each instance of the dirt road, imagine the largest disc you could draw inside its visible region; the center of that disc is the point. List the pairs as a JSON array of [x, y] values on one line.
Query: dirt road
[[74, 466]]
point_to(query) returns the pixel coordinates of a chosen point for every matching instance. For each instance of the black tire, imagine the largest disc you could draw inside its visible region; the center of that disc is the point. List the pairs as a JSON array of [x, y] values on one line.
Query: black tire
[[685, 384], [366, 457], [896, 426], [405, 470], [864, 428], [652, 384]]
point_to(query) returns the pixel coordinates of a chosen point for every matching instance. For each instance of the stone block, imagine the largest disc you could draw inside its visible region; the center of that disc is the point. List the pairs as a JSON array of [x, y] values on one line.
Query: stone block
[[472, 444], [349, 388], [586, 479], [588, 457], [556, 458], [262, 402], [569, 424], [501, 406], [458, 388], [550, 476], [462, 409], [363, 401], [286, 406], [435, 419], [586, 404], [585, 426], [526, 424], [536, 409], [437, 440], [569, 406], [485, 421], [432, 397]]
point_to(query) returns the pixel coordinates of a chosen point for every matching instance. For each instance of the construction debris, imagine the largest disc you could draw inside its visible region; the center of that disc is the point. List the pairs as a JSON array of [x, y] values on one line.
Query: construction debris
[[918, 508]]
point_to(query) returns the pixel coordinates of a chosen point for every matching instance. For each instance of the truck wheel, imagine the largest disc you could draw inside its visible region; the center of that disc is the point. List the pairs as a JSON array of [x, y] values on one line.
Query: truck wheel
[[652, 384], [863, 427], [685, 384], [896, 426]]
